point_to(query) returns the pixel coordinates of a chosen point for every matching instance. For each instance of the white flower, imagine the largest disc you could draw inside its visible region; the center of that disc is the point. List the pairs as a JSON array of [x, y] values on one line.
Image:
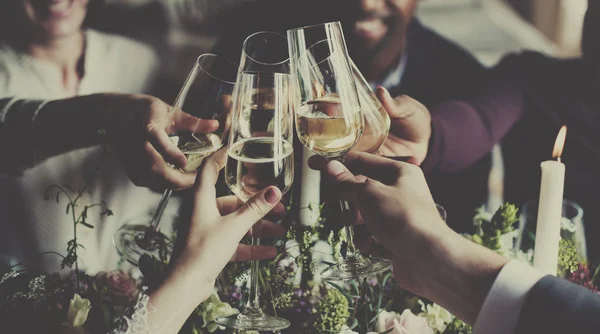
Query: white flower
[[405, 323], [507, 243], [214, 308], [346, 330], [78, 311], [437, 317]]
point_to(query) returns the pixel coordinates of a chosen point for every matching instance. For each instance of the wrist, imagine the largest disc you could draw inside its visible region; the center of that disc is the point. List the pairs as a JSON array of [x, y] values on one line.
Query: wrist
[[462, 274], [187, 272]]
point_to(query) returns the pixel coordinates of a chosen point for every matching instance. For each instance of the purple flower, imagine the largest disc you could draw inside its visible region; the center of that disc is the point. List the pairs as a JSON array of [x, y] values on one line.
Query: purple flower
[[582, 276], [120, 287]]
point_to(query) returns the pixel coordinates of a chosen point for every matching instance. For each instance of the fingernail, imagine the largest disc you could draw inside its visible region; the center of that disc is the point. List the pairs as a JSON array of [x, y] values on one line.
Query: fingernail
[[272, 195], [335, 167], [386, 93]]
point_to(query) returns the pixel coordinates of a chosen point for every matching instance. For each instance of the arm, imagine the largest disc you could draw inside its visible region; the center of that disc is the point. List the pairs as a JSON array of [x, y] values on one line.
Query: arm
[[464, 131], [136, 126], [476, 284], [208, 240], [554, 305]]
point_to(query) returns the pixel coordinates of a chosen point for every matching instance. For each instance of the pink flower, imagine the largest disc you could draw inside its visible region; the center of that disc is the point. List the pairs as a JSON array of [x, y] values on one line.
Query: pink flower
[[118, 286], [405, 323]]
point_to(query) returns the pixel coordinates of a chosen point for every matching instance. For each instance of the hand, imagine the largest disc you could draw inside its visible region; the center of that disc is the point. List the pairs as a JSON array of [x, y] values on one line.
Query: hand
[[143, 145], [210, 240], [218, 224], [410, 128], [395, 204], [429, 259]]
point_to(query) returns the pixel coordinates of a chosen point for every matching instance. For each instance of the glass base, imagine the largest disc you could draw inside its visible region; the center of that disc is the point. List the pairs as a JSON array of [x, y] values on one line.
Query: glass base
[[253, 321], [132, 241], [355, 267]]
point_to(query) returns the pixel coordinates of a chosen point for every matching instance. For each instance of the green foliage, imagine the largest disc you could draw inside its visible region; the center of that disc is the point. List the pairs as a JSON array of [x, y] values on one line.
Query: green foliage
[[567, 258], [490, 229], [457, 326], [74, 198], [332, 313]]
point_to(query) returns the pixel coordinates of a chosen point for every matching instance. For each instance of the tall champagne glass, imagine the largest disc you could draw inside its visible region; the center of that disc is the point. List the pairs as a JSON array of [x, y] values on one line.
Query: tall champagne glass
[[260, 154], [205, 95], [329, 120]]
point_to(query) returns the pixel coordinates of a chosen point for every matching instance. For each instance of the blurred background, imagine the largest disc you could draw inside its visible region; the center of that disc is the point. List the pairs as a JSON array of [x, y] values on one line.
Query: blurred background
[[182, 29]]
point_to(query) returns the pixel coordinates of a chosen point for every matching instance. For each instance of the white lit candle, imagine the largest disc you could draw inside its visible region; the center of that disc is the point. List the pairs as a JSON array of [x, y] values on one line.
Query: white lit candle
[[547, 236], [309, 191]]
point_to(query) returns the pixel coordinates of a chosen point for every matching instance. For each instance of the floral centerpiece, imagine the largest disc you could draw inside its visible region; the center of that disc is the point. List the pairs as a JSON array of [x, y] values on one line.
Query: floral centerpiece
[[36, 302]]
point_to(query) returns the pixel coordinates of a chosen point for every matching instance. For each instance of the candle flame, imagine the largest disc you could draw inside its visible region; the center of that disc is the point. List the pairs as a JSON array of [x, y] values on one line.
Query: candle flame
[[560, 142]]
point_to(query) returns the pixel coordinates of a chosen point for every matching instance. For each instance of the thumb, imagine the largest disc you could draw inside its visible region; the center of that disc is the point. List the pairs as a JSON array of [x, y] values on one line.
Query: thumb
[[256, 208], [396, 108], [344, 184]]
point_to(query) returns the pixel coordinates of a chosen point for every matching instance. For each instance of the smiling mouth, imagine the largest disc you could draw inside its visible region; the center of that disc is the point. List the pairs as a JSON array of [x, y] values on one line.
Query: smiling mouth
[[54, 8], [370, 27]]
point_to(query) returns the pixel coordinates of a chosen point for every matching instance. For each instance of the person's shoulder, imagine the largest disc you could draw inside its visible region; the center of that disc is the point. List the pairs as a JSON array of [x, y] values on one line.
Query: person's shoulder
[[441, 52], [525, 59]]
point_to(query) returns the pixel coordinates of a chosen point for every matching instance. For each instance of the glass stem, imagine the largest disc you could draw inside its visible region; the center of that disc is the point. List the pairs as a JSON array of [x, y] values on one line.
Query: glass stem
[[345, 214], [252, 308], [164, 200]]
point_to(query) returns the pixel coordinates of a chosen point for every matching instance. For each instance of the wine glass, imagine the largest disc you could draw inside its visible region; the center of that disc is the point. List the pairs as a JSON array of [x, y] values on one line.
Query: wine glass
[[377, 120], [205, 95], [329, 120], [265, 52], [260, 154]]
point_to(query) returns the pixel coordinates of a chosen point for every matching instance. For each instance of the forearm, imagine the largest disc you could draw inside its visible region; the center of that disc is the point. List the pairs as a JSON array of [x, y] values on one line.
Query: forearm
[[461, 275], [176, 298], [185, 287], [464, 131], [33, 131]]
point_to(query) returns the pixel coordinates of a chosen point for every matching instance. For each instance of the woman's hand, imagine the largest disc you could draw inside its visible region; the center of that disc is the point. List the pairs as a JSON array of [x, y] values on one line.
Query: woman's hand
[[209, 242]]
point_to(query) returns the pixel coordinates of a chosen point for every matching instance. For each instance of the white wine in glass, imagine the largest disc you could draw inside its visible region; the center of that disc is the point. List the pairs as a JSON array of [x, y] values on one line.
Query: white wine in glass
[[323, 129], [205, 95], [330, 120], [260, 155], [256, 163]]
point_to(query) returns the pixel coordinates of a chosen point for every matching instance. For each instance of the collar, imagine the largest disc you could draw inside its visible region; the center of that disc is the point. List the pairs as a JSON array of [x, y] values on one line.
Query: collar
[[393, 77]]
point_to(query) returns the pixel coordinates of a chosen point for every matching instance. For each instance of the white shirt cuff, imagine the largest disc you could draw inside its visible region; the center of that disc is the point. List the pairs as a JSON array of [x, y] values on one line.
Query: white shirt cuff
[[503, 304]]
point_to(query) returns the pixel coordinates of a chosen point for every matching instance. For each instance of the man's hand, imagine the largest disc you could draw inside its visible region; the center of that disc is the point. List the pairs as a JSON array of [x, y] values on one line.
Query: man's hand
[[410, 128], [429, 259], [395, 204], [143, 144]]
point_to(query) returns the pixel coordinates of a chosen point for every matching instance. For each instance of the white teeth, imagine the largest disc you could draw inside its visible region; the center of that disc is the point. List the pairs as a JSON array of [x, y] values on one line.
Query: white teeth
[[60, 6], [369, 24]]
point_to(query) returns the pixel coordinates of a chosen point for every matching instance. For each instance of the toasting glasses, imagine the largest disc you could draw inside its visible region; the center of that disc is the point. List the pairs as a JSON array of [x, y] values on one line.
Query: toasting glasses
[[206, 95], [329, 120], [260, 152]]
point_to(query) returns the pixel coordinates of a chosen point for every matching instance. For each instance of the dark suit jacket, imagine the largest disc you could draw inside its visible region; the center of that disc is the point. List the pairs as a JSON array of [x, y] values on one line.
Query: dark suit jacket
[[556, 306], [437, 70]]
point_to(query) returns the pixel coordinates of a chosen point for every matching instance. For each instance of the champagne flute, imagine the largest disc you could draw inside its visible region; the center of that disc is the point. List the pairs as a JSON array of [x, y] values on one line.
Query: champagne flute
[[330, 121], [260, 154], [205, 95]]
